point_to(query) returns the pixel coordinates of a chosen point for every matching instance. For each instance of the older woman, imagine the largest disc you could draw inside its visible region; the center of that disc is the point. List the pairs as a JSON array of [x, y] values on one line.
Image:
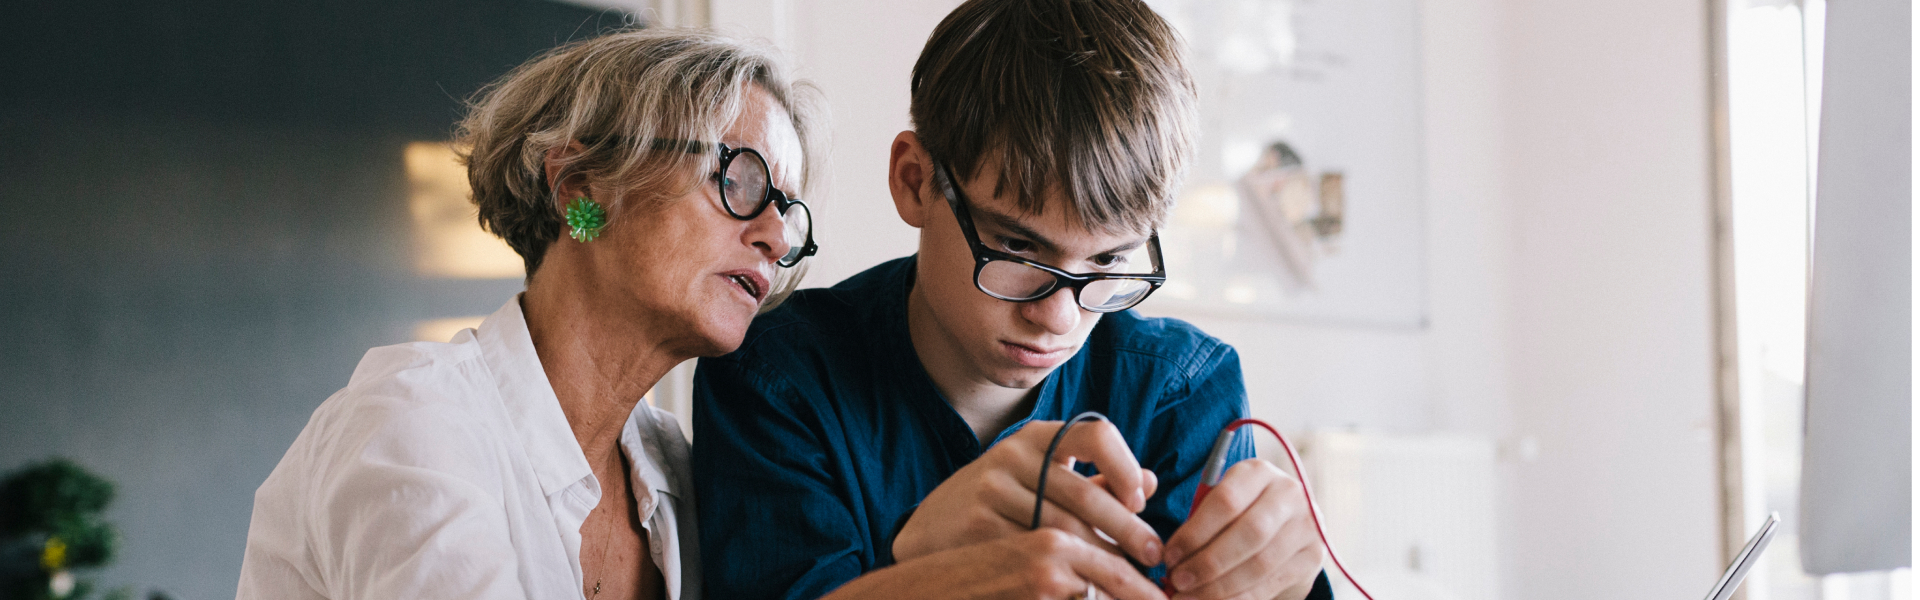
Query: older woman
[[645, 178]]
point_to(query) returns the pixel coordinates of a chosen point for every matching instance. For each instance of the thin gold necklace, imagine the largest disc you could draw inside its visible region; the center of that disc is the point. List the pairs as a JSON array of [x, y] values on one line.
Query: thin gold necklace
[[600, 577], [607, 539]]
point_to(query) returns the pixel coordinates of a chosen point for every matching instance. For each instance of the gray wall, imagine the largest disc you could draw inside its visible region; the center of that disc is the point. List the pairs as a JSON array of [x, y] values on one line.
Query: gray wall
[[203, 225]]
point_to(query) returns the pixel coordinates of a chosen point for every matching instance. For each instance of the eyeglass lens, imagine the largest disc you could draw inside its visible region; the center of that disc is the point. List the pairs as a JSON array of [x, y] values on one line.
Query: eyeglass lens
[[795, 222], [744, 183]]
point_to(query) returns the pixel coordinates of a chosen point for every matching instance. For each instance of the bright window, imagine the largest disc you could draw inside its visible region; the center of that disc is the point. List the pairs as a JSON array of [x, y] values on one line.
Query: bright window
[[1773, 68]]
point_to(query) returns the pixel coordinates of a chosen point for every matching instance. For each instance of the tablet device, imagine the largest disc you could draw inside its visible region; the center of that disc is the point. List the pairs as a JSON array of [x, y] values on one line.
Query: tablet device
[[1730, 580]]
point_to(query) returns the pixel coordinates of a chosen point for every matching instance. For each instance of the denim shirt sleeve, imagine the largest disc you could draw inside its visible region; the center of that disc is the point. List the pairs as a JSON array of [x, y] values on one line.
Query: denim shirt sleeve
[[1205, 394], [773, 524]]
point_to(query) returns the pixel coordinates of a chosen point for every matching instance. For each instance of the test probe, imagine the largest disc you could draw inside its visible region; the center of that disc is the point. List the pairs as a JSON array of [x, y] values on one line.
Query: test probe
[[1210, 475]]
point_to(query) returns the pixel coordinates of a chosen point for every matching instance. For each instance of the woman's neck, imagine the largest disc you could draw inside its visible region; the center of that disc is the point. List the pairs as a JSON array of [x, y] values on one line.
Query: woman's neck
[[600, 364]]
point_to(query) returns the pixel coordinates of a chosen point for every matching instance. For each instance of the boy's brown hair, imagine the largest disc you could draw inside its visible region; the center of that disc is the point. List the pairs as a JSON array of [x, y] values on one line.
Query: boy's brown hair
[[1088, 97]]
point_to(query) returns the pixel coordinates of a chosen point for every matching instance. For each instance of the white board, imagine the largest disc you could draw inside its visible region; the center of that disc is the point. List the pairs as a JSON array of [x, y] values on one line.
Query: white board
[[1339, 83]]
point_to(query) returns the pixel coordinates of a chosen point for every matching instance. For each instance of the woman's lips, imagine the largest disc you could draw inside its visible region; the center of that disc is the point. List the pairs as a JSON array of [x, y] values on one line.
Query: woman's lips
[[1037, 358], [749, 283]]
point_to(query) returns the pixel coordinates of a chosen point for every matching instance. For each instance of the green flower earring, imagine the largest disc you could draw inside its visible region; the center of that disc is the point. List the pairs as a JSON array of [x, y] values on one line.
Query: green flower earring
[[587, 218]]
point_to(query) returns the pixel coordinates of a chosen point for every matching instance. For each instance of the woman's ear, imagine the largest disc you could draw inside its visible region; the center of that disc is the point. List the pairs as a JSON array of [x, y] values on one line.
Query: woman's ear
[[909, 177], [574, 185]]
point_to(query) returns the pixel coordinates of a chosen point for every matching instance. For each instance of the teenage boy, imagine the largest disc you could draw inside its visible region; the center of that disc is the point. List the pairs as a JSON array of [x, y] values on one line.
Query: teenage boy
[[900, 417]]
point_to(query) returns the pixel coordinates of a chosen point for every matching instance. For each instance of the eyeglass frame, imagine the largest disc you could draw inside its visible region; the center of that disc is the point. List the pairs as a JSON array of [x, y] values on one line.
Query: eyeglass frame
[[774, 197], [1062, 279]]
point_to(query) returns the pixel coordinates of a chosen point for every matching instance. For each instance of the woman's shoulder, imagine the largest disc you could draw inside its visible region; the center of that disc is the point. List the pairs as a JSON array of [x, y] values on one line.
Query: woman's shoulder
[[406, 461], [415, 367], [416, 407], [418, 379]]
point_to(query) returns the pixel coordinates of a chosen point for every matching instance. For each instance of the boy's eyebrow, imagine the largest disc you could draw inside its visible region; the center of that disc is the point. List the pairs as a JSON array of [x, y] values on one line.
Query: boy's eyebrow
[[1125, 248], [1012, 225]]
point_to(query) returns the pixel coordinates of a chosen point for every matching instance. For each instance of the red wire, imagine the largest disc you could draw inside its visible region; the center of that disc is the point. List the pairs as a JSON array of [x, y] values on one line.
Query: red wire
[[1312, 509]]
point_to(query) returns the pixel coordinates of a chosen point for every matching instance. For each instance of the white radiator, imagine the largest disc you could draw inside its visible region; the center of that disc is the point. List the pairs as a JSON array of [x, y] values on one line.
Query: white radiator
[[1411, 516]]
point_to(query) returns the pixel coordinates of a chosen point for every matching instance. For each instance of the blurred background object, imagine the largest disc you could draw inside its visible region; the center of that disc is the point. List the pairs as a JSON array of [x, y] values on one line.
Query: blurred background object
[[1819, 432], [212, 209], [51, 533], [1857, 472], [1412, 515], [1304, 106], [1302, 212]]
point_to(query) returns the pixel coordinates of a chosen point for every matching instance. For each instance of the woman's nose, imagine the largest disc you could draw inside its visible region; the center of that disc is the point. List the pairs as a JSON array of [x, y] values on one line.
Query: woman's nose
[[767, 234]]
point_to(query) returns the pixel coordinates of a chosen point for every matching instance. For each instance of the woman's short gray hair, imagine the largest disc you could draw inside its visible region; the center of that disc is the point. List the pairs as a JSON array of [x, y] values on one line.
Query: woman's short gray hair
[[613, 94]]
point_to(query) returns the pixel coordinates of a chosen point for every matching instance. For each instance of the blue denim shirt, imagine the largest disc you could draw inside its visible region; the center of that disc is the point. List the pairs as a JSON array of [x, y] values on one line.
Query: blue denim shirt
[[823, 431]]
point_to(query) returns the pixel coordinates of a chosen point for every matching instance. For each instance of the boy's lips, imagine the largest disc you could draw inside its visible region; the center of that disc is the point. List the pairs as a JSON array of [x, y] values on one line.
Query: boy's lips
[[1035, 356]]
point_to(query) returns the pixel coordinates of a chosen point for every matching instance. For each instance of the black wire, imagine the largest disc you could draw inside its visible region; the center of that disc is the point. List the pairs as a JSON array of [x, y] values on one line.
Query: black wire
[[1046, 462]]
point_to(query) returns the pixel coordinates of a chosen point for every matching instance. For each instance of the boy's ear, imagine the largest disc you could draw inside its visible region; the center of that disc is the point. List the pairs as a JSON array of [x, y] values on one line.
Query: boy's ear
[[909, 177]]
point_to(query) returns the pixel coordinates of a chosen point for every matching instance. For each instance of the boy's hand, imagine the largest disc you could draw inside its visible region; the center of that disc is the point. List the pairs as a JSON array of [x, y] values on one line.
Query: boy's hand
[[1047, 564], [1251, 537], [993, 497]]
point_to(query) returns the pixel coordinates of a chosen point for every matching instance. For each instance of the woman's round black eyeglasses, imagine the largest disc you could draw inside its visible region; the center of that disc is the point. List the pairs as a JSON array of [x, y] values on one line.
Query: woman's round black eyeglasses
[[746, 190]]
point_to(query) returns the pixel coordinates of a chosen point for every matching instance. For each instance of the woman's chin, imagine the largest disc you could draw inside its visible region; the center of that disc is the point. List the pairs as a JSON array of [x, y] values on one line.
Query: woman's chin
[[724, 333]]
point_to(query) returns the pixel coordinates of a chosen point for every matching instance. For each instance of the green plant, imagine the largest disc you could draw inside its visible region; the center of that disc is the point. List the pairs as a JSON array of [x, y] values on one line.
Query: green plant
[[50, 526]]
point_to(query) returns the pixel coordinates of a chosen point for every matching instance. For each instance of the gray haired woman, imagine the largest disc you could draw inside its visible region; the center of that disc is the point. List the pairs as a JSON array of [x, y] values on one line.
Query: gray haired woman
[[647, 179]]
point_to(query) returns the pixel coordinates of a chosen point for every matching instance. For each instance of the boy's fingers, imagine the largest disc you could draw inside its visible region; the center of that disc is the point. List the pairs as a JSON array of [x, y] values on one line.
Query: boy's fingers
[[1238, 489], [1262, 576], [1246, 538], [1149, 482], [1015, 509], [1114, 576], [1093, 505], [1100, 443]]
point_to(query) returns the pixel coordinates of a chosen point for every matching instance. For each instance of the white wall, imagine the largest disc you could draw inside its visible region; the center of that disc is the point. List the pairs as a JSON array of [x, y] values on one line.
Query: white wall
[[1470, 233], [1568, 274], [860, 53], [1607, 172]]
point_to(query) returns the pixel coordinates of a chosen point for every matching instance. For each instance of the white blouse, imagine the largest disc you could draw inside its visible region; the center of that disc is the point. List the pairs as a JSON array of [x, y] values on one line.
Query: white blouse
[[449, 471]]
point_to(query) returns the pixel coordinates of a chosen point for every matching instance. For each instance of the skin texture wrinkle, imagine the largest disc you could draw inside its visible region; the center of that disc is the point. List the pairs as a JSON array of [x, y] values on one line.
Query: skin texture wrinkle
[[610, 317]]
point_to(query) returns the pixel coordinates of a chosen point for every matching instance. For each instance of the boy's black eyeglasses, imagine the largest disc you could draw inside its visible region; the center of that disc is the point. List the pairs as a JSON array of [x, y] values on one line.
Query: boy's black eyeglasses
[[746, 191], [1016, 279]]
